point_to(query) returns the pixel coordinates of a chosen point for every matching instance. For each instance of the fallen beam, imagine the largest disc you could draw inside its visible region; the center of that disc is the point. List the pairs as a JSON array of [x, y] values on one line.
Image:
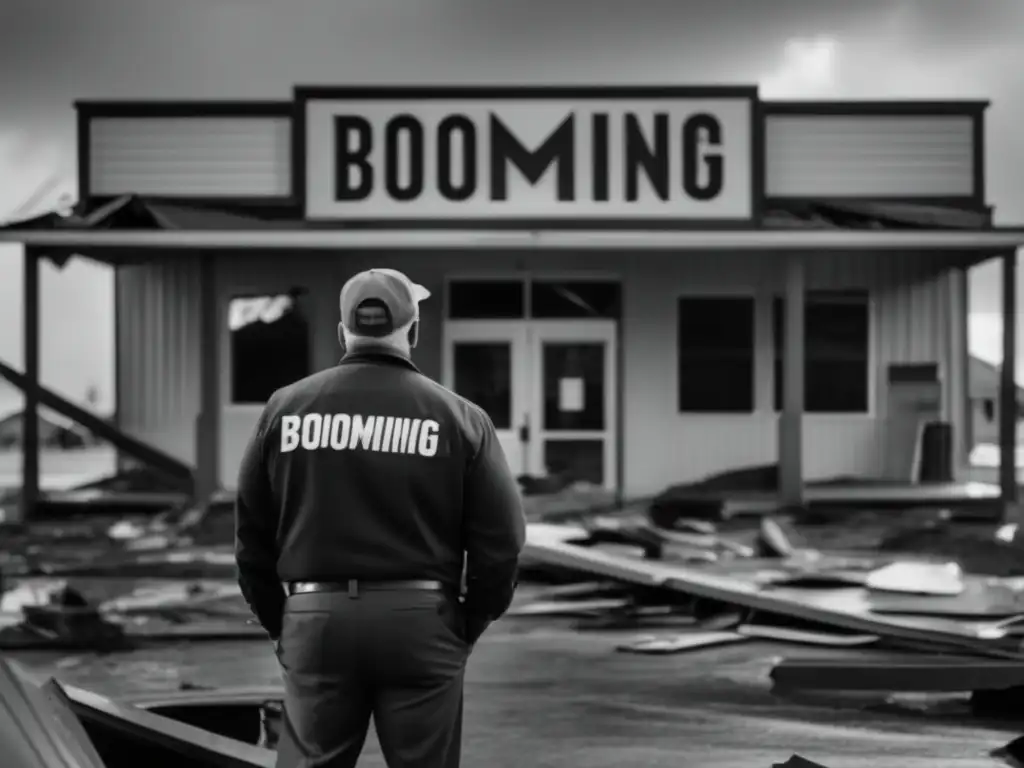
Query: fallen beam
[[844, 608], [73, 729], [918, 674], [147, 454]]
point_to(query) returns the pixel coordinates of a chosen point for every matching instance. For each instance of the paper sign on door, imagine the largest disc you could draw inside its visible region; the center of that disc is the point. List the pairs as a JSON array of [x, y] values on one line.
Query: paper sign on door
[[570, 395]]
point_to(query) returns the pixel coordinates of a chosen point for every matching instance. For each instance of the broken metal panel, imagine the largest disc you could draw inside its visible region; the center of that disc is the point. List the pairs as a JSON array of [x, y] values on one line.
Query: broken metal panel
[[158, 347], [31, 733], [846, 608], [138, 727]]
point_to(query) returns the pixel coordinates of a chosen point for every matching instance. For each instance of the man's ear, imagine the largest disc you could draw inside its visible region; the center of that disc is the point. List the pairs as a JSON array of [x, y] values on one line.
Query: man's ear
[[414, 334], [341, 335]]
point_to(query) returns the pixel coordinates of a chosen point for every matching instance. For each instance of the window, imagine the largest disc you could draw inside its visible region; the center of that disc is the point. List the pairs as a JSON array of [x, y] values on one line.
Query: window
[[486, 300], [270, 345], [836, 364], [716, 355], [575, 299]]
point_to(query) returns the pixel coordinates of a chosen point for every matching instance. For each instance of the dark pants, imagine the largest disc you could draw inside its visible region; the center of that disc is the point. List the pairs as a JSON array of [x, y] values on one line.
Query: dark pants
[[397, 656]]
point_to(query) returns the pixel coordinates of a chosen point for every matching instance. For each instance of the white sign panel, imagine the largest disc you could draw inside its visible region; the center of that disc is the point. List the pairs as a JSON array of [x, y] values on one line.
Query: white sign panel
[[531, 159], [571, 395]]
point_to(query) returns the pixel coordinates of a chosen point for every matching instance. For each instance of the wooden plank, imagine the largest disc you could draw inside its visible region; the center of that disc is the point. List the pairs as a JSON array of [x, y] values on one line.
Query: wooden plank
[[71, 726], [145, 453]]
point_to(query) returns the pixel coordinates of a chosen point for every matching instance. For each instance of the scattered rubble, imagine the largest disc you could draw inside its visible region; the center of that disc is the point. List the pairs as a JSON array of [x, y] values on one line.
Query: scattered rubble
[[53, 614], [675, 576]]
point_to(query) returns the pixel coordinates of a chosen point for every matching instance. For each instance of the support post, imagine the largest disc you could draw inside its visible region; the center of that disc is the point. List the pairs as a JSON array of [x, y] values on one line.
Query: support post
[[1008, 386], [30, 415], [791, 482], [209, 417]]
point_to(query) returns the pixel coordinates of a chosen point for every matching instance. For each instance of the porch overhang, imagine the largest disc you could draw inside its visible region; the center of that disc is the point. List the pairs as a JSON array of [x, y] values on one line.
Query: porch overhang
[[988, 240]]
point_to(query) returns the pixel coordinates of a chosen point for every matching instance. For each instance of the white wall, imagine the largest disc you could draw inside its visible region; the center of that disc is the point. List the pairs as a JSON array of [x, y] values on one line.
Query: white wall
[[911, 322]]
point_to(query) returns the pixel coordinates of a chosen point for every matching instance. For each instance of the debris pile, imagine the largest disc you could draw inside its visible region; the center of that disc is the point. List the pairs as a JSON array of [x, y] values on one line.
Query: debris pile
[[52, 614], [55, 616], [896, 622]]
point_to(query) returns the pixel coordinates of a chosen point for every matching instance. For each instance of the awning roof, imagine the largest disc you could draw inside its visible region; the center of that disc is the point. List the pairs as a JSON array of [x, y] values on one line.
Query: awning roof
[[136, 221], [136, 212]]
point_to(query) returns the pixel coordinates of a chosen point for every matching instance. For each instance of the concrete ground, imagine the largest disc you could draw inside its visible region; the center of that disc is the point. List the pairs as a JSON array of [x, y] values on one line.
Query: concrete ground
[[540, 694]]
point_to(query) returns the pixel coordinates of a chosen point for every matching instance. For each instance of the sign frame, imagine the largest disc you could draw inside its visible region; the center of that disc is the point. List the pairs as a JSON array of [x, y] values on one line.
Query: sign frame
[[303, 95]]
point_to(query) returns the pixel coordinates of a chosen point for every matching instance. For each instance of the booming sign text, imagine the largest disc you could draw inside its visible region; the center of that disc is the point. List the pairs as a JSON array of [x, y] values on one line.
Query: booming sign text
[[530, 159]]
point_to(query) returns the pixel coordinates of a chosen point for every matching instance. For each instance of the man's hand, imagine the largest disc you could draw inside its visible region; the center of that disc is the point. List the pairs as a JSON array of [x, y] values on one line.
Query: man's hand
[[475, 627]]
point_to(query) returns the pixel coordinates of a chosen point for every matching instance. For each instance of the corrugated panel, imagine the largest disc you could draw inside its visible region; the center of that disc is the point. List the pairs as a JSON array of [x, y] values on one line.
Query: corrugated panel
[[190, 156], [851, 156], [158, 353]]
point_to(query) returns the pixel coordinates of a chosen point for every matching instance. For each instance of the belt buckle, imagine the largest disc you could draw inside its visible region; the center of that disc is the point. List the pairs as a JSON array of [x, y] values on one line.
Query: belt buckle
[[353, 589]]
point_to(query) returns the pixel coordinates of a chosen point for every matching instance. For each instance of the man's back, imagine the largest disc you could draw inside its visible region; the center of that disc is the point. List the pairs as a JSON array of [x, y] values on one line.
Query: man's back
[[367, 463]]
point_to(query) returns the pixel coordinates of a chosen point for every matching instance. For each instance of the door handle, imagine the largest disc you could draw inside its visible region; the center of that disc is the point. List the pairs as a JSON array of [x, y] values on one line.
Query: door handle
[[524, 431]]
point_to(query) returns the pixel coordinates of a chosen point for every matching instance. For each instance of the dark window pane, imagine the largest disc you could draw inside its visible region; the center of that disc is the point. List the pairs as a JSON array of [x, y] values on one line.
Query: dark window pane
[[574, 386], [270, 345], [575, 299], [716, 355], [575, 460], [717, 324], [716, 386], [486, 299], [483, 375], [836, 370]]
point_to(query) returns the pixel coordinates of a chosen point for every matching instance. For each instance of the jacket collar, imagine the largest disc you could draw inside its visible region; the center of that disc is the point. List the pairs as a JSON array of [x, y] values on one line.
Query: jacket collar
[[380, 356]]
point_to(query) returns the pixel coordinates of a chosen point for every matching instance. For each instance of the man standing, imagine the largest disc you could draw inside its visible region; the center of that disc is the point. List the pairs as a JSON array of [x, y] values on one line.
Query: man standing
[[362, 493]]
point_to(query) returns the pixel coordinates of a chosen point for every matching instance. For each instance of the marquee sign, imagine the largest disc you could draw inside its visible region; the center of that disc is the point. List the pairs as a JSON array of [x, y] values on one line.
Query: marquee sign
[[526, 158]]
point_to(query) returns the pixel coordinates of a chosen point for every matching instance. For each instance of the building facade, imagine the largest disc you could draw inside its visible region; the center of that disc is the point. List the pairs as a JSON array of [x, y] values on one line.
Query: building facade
[[642, 286]]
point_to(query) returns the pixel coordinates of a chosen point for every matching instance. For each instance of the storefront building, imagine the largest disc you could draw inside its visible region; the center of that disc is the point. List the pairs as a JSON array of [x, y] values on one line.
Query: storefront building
[[642, 286]]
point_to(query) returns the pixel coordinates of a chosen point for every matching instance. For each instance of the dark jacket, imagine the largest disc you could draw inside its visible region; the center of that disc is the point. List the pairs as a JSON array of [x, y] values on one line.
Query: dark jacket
[[370, 470]]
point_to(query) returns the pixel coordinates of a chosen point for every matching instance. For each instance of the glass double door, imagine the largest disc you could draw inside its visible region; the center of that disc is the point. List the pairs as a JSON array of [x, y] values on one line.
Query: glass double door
[[549, 387]]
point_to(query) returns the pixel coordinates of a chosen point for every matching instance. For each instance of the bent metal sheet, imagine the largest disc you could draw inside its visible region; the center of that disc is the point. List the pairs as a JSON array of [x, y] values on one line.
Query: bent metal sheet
[[532, 159]]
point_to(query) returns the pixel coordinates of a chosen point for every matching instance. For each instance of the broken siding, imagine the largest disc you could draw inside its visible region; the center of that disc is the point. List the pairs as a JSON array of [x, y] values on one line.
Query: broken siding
[[158, 353], [190, 156], [869, 156]]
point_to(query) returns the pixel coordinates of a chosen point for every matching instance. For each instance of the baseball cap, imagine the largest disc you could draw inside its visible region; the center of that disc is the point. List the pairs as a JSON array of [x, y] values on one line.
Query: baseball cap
[[378, 301]]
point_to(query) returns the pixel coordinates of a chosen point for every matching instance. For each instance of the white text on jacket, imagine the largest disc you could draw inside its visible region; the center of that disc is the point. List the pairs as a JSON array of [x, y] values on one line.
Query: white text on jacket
[[345, 432]]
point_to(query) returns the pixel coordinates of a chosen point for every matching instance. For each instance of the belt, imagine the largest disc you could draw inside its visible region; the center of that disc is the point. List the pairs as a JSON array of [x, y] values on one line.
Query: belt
[[355, 586]]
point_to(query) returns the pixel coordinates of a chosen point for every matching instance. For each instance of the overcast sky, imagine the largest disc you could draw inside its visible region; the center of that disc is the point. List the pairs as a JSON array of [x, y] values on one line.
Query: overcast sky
[[54, 51]]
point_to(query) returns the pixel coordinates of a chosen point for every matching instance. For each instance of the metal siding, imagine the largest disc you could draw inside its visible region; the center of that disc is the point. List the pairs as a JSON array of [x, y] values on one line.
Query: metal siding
[[663, 446], [854, 156], [157, 345], [660, 446], [190, 156]]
